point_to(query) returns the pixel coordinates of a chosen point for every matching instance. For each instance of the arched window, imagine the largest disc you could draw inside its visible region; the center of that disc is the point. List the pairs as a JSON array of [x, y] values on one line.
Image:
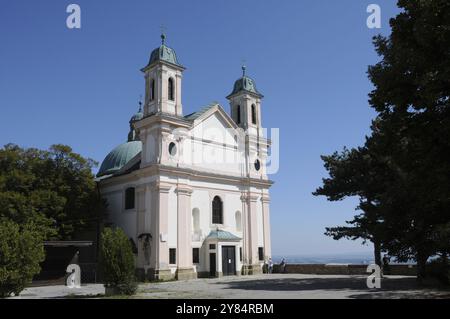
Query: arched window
[[253, 114], [196, 219], [238, 217], [238, 114], [152, 90], [129, 198], [171, 89], [217, 211]]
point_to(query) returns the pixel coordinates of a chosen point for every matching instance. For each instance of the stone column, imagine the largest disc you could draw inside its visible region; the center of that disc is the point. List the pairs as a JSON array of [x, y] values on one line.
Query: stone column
[[245, 232], [178, 105], [254, 260], [159, 259], [163, 89], [143, 193], [251, 265], [266, 226], [185, 269]]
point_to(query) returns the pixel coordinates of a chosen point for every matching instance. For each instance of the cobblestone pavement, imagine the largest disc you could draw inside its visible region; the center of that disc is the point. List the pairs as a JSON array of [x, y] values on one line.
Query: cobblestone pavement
[[61, 291], [279, 286], [290, 286]]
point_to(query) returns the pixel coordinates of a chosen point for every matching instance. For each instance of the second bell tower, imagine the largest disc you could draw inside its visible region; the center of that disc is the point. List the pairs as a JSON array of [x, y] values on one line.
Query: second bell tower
[[163, 76]]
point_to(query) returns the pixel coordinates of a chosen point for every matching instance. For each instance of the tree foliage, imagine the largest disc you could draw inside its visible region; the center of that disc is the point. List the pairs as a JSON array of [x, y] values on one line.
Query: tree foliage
[[402, 173], [55, 189], [21, 252], [117, 260]]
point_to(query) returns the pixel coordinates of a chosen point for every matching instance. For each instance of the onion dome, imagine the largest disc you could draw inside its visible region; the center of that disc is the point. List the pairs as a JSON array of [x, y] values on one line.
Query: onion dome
[[245, 84]]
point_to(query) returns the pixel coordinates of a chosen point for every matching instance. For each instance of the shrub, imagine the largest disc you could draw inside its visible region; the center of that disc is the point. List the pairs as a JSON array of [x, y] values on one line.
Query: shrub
[[21, 252], [117, 261]]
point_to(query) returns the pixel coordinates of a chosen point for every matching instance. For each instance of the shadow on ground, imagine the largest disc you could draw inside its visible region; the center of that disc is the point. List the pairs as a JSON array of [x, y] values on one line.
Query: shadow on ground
[[328, 284]]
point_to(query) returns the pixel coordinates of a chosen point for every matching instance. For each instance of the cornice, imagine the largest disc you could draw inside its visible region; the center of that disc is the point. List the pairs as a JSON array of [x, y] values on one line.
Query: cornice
[[188, 173]]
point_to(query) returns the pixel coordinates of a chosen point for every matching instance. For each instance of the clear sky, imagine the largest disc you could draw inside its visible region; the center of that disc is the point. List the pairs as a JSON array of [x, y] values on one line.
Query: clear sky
[[308, 57]]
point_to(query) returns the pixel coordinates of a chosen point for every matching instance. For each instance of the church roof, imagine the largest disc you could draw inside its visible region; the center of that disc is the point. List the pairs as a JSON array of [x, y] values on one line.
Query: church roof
[[222, 235], [163, 53], [245, 84], [119, 157], [197, 114]]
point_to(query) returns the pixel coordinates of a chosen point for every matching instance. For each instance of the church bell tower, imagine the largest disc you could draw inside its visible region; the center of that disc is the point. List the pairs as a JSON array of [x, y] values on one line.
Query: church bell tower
[[163, 75], [245, 103]]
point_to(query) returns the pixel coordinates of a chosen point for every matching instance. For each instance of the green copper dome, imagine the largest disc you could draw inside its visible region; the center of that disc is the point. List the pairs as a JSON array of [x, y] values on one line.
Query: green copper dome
[[245, 84], [119, 157], [164, 54]]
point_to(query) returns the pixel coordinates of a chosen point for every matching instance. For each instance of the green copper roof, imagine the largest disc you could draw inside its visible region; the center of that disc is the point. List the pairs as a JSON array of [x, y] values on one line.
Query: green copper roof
[[163, 53], [245, 84], [222, 235], [197, 114], [119, 157]]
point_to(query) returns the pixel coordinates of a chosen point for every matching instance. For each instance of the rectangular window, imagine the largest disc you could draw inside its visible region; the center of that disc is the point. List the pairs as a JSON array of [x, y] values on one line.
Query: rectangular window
[[212, 246], [240, 253], [261, 253], [172, 256], [129, 198], [195, 255]]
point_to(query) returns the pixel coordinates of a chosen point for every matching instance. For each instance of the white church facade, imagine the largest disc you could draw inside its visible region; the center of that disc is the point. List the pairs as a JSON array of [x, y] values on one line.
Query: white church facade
[[191, 191]]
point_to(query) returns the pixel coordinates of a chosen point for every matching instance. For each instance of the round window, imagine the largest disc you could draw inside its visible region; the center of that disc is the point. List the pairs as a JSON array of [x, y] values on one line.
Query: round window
[[257, 165], [172, 149]]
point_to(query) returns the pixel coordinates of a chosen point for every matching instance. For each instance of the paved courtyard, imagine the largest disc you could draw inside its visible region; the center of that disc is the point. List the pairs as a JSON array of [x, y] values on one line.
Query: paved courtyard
[[282, 286]]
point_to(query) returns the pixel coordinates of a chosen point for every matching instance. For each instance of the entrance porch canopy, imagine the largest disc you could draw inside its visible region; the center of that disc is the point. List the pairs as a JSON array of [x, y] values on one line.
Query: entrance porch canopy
[[221, 235]]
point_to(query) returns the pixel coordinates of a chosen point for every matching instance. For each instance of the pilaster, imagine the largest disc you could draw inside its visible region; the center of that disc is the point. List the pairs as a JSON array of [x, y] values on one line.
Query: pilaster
[[185, 269]]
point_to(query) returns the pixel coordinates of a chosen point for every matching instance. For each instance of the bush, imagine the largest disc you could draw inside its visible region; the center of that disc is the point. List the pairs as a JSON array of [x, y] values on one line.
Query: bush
[[117, 261], [21, 252]]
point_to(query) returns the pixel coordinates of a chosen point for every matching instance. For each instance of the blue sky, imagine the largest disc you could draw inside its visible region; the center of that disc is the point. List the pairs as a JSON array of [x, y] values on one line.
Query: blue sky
[[309, 58]]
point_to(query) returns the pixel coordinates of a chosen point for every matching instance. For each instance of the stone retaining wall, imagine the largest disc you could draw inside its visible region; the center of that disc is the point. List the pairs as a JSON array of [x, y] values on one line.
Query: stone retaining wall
[[323, 269]]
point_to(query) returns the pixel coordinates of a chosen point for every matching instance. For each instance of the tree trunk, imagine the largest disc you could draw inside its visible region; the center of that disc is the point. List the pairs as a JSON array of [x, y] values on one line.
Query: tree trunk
[[421, 264], [444, 258], [377, 252]]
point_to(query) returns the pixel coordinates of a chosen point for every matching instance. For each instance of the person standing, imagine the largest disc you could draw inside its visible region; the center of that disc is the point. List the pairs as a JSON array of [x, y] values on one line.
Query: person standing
[[270, 265], [283, 266]]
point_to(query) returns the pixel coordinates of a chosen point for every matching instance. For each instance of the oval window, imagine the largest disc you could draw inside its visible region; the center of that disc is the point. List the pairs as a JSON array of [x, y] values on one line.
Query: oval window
[[172, 149], [257, 165]]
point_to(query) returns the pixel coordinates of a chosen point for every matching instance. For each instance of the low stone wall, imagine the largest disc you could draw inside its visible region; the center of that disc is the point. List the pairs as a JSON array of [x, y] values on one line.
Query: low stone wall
[[324, 269]]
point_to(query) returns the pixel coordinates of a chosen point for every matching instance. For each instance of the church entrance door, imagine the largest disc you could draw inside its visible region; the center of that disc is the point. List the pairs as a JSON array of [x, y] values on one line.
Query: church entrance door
[[228, 260]]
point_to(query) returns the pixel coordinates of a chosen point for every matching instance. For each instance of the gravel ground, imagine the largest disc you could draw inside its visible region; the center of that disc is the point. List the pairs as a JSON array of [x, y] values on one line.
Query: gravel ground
[[278, 286]]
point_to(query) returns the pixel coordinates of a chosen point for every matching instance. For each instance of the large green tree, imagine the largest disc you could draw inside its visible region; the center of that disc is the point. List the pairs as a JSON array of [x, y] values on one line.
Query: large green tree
[[52, 189], [412, 97], [410, 140]]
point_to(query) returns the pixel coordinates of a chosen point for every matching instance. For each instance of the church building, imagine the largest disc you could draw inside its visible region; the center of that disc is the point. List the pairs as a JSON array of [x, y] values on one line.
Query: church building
[[191, 191]]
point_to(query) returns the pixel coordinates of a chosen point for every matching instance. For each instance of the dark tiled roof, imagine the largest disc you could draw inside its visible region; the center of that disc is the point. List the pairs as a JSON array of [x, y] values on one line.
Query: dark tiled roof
[[197, 114]]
